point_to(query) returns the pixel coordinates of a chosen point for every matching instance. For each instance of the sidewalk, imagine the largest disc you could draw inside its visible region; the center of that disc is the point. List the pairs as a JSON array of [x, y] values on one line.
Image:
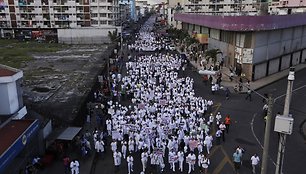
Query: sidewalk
[[254, 85]]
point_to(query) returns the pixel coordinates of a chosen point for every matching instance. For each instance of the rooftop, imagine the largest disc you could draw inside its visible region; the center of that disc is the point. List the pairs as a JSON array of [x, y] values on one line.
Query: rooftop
[[11, 131], [244, 23], [6, 72]]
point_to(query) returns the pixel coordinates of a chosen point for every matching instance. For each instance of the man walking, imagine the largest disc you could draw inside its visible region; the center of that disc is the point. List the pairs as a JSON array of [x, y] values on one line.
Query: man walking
[[255, 161], [74, 166], [181, 160], [249, 95], [117, 159], [237, 160], [222, 127], [191, 159], [130, 162], [144, 160], [218, 136], [227, 122]]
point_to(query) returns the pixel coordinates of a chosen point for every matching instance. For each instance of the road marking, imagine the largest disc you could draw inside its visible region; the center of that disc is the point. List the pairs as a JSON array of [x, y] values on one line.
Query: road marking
[[253, 132], [296, 89], [229, 160], [213, 150], [220, 166]]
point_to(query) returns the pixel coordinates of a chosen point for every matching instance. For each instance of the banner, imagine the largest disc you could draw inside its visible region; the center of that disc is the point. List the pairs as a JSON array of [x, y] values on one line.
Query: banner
[[202, 38]]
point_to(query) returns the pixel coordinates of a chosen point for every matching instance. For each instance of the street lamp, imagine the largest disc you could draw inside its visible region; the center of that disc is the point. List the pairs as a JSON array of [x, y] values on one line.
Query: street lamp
[[284, 124]]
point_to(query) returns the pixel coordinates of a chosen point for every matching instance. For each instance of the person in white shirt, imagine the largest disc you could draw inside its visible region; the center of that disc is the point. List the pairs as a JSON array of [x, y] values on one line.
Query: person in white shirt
[[130, 162], [191, 159], [123, 149], [222, 127], [181, 160], [205, 163], [144, 160], [117, 159], [99, 146], [74, 166], [255, 161], [208, 142], [218, 118], [200, 158], [172, 158], [114, 146]]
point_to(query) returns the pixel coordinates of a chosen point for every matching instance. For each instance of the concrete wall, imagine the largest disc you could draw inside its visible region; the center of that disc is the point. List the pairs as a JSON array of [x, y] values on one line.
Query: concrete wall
[[296, 58], [304, 55], [84, 35], [260, 71], [285, 62], [9, 99], [273, 66], [272, 44]]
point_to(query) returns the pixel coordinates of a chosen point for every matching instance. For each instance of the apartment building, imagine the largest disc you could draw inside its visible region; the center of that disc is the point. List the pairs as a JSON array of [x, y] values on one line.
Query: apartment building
[[130, 4], [284, 7], [58, 13], [212, 7]]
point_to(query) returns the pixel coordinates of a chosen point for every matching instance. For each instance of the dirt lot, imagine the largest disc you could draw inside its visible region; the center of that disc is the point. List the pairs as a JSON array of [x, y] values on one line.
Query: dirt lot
[[56, 78]]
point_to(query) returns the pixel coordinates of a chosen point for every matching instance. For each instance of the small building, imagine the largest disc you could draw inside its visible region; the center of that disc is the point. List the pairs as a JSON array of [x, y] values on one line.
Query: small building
[[257, 46], [11, 92], [16, 133]]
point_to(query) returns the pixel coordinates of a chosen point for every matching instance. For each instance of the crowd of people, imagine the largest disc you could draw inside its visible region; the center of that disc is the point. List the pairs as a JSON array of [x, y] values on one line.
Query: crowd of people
[[165, 122]]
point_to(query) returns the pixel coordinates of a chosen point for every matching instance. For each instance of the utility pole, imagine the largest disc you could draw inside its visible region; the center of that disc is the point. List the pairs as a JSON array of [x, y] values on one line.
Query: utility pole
[[283, 136], [264, 164]]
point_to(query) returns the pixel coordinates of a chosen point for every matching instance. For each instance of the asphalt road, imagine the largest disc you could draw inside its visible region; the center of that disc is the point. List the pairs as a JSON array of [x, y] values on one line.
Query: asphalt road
[[247, 129]]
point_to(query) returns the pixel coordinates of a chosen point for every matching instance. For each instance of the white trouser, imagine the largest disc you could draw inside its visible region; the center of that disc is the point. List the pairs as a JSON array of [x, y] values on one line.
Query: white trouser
[[74, 171], [172, 166], [208, 146], [144, 165], [130, 168], [190, 167], [181, 165], [124, 153]]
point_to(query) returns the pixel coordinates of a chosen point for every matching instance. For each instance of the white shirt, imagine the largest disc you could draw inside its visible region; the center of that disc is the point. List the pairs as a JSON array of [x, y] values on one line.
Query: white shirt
[[130, 159], [255, 160]]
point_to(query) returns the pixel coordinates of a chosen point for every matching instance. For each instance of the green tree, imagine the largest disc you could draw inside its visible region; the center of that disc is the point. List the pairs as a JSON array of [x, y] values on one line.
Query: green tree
[[113, 36], [213, 53]]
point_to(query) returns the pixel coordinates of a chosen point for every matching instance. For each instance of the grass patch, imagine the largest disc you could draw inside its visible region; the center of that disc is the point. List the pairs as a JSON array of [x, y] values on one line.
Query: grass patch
[[13, 53]]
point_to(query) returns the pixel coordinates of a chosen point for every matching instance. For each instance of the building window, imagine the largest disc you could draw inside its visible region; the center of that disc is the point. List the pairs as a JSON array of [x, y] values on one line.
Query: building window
[[94, 15], [102, 14], [103, 22]]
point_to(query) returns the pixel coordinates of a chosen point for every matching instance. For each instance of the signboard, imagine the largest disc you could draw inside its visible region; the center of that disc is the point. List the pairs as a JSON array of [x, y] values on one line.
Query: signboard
[[158, 151], [18, 145], [173, 159], [100, 79], [238, 54], [202, 38], [247, 55]]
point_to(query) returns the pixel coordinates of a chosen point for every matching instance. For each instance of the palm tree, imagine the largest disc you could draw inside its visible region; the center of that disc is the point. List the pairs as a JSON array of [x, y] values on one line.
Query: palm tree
[[213, 53], [113, 36]]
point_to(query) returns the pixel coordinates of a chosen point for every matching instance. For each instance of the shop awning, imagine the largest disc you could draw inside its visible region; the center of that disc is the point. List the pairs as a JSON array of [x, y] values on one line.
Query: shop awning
[[69, 133]]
